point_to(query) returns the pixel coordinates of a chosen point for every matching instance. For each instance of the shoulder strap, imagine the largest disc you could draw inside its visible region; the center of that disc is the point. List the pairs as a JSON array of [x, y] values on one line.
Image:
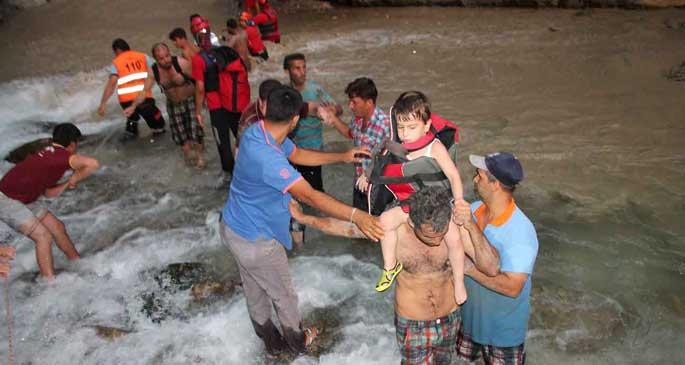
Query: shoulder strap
[[177, 67], [155, 71]]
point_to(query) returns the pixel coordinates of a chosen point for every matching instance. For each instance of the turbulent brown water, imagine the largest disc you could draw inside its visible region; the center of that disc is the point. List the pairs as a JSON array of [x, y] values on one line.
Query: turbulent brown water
[[579, 97]]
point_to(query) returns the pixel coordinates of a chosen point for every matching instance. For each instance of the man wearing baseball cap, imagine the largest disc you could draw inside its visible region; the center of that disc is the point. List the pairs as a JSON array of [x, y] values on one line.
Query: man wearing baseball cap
[[495, 317]]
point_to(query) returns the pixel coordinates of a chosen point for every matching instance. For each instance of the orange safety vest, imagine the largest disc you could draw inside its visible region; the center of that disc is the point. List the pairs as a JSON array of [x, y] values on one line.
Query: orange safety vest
[[132, 71]]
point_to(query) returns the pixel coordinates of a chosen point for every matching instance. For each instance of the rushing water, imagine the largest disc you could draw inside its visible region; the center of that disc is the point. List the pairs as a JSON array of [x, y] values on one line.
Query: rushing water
[[581, 99]]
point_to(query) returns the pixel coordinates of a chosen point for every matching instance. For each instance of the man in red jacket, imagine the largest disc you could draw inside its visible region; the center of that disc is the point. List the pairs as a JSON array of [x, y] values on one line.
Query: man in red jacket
[[39, 174], [226, 92]]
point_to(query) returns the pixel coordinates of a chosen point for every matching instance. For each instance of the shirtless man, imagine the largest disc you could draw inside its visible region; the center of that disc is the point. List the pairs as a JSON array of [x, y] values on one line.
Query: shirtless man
[[426, 312], [186, 130], [236, 38], [180, 39]]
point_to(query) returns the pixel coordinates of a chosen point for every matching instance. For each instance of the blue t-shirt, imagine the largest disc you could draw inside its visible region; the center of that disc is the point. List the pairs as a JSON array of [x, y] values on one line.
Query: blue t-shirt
[[257, 205], [309, 132], [490, 318]]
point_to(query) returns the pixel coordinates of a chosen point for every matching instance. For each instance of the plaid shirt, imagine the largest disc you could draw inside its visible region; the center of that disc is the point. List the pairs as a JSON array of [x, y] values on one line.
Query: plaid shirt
[[371, 137]]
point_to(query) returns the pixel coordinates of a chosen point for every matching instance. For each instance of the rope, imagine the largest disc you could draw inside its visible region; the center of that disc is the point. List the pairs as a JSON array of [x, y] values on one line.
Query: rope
[[10, 347]]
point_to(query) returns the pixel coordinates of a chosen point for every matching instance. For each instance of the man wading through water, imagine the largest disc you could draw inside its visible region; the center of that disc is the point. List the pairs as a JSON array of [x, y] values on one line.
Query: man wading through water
[[173, 77], [426, 313], [255, 219]]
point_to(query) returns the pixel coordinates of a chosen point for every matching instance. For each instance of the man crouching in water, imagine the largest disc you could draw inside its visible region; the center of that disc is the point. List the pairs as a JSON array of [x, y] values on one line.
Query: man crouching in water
[[39, 174], [426, 313]]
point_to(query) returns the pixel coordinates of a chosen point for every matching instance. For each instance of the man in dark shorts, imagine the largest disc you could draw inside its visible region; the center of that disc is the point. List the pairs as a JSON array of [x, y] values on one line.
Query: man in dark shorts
[[173, 77], [37, 175], [127, 75]]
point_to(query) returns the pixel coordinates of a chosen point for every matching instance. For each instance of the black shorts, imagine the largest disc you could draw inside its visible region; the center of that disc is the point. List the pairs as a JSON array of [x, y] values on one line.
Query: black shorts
[[149, 111]]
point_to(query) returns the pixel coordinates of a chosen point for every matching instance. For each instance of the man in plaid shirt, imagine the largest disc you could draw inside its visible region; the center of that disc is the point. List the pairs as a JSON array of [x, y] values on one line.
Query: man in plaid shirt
[[369, 128]]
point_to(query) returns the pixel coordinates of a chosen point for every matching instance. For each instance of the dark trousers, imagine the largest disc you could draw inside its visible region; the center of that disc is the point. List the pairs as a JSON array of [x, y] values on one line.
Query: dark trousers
[[153, 117], [359, 200], [312, 174], [224, 122]]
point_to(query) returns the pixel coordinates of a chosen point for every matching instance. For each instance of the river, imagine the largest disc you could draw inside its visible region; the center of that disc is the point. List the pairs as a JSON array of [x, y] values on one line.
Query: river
[[579, 97]]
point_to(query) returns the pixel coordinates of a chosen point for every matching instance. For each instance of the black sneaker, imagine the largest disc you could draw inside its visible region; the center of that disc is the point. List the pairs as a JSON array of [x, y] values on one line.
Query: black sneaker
[[127, 136]]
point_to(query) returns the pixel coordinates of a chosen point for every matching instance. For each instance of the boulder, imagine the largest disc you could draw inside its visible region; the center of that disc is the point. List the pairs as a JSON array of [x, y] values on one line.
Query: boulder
[[20, 153]]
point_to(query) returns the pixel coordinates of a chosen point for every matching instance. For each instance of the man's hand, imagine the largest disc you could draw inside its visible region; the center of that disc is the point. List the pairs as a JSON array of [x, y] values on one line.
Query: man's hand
[[8, 252], [368, 224], [200, 120], [4, 269], [461, 215], [326, 114], [362, 184], [101, 110], [354, 155], [296, 210], [130, 110]]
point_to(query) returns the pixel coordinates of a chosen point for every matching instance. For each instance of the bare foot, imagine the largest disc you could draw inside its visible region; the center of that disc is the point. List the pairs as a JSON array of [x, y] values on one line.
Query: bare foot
[[310, 334]]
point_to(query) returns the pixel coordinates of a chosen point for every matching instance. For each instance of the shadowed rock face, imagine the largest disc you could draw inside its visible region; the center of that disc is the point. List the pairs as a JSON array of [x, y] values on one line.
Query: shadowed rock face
[[20, 153]]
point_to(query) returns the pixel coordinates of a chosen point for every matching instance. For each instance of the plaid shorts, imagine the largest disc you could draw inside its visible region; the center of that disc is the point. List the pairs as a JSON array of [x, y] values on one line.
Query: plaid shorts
[[491, 355], [183, 122], [427, 342]]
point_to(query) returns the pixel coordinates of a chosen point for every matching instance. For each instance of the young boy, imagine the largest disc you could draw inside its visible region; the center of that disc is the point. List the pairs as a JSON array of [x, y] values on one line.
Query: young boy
[[413, 118]]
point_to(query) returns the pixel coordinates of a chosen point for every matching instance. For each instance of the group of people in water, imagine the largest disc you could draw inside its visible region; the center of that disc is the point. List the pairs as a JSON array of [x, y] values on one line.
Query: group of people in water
[[462, 270]]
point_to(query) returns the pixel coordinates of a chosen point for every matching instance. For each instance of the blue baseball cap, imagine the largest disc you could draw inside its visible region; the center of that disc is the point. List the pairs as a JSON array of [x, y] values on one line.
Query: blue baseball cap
[[504, 166]]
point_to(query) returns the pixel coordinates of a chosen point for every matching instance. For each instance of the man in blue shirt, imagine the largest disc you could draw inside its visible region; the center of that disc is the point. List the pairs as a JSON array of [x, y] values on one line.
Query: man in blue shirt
[[255, 218], [495, 317]]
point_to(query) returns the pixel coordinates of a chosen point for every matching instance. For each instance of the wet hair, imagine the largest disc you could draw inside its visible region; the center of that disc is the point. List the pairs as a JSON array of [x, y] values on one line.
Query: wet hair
[[412, 104], [177, 33], [120, 44], [363, 88], [292, 57], [232, 23], [282, 104], [193, 16], [65, 133], [158, 46], [429, 206], [267, 86]]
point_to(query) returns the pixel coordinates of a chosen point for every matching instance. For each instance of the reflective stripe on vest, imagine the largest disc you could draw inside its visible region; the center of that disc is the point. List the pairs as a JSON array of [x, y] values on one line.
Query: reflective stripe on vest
[[132, 71]]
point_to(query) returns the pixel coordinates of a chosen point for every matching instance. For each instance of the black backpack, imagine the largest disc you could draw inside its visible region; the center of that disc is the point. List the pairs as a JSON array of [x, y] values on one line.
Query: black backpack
[[177, 67], [216, 59]]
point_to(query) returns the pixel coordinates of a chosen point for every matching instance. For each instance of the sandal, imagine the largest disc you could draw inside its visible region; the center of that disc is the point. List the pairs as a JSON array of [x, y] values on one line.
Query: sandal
[[388, 277], [310, 334]]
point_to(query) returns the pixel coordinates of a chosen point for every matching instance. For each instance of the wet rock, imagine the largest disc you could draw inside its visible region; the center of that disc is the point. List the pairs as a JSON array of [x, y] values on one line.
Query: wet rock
[[205, 290], [20, 153], [110, 333], [156, 307], [677, 73], [203, 282], [329, 322], [580, 322], [181, 276]]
